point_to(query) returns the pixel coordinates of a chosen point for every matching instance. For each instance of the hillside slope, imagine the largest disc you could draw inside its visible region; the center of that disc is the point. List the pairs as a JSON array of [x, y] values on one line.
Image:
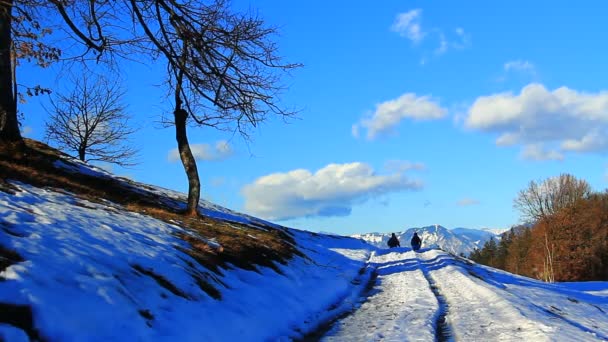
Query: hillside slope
[[86, 256]]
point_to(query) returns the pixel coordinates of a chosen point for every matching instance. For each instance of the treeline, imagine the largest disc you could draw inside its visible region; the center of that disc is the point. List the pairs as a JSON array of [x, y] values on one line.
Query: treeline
[[568, 240]]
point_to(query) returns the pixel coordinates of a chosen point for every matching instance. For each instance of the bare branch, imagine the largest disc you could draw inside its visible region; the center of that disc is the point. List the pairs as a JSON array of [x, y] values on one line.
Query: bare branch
[[91, 121]]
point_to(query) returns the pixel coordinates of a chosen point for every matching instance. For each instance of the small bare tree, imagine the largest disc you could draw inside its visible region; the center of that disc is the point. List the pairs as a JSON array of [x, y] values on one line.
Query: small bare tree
[[542, 199], [91, 121]]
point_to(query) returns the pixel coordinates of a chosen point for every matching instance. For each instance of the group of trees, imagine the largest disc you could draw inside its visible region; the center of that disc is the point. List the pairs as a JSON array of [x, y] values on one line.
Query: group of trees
[[568, 240], [222, 66]]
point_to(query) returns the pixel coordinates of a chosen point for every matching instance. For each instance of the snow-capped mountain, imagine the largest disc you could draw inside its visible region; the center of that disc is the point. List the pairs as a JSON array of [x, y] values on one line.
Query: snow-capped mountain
[[457, 240]]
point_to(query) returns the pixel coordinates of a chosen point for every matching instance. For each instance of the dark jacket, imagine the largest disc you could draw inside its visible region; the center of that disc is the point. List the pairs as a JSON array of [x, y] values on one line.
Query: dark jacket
[[393, 242], [416, 241]]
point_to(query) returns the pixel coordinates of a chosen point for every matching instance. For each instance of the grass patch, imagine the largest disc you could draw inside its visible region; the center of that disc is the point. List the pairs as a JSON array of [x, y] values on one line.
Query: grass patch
[[162, 281], [208, 288], [8, 257], [247, 246]]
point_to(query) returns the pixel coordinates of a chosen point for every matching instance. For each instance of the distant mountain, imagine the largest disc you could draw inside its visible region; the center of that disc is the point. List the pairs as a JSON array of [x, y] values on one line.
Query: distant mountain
[[496, 231], [457, 240]]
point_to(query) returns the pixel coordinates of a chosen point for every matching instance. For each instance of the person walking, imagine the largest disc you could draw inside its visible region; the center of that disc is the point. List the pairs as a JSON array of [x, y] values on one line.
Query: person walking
[[416, 242], [393, 241]]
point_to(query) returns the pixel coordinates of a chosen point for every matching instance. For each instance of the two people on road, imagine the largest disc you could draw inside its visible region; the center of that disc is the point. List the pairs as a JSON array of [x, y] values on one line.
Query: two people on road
[[394, 242]]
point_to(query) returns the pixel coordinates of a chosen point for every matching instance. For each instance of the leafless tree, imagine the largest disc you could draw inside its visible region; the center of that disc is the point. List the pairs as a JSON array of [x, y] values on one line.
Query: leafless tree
[[91, 121], [9, 124], [542, 199], [223, 68], [21, 38]]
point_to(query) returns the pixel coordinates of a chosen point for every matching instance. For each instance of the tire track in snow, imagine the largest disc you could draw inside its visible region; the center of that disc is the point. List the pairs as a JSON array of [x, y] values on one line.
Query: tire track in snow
[[399, 306], [479, 312], [443, 329]]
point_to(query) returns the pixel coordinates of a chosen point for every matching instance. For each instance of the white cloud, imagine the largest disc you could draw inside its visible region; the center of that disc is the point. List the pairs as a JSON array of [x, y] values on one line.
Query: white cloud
[[443, 45], [403, 166], [593, 141], [217, 181], [518, 68], [520, 65], [354, 130], [390, 113], [462, 40], [465, 202], [220, 151], [507, 139], [408, 25], [223, 148], [562, 120], [538, 153], [330, 191]]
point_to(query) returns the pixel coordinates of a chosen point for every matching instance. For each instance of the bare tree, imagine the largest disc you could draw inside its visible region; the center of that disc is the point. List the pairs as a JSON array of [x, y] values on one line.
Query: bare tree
[[9, 125], [542, 199], [223, 68], [91, 120], [21, 38], [25, 28]]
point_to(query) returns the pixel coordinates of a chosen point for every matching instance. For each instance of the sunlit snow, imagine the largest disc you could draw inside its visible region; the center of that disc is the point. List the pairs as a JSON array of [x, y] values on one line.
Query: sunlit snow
[[79, 277]]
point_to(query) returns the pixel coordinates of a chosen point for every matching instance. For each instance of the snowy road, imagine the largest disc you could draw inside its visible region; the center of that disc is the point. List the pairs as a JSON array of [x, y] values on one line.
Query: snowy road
[[76, 270], [434, 296]]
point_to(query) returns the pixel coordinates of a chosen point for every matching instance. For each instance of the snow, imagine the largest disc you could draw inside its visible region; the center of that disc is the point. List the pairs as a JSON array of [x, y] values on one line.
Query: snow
[[397, 309], [87, 272], [457, 240], [80, 281]]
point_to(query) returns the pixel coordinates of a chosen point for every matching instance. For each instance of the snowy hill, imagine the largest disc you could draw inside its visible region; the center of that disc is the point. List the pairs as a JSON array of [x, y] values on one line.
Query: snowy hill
[[456, 241], [76, 267]]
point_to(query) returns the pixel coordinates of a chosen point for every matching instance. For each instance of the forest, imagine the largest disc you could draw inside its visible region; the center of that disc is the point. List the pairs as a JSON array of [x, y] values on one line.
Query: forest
[[566, 238]]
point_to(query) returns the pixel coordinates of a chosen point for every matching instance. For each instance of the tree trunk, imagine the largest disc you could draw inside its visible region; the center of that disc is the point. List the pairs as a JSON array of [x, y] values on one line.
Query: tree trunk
[[82, 153], [194, 184], [9, 125]]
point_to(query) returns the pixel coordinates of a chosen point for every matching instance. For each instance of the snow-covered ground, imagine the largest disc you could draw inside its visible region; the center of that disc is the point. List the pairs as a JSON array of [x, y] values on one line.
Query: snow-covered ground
[[481, 304], [81, 278], [93, 272]]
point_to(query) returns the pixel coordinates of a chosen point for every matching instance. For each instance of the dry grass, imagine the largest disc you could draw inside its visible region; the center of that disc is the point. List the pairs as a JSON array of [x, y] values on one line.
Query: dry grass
[[162, 281], [8, 257], [247, 246]]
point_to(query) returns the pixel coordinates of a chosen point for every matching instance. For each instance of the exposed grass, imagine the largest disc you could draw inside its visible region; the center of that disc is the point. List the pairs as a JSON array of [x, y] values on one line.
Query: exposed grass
[[8, 257], [162, 281], [247, 246]]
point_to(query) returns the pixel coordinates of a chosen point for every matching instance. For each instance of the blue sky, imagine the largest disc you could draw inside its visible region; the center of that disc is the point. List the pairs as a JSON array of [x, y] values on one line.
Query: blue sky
[[413, 113]]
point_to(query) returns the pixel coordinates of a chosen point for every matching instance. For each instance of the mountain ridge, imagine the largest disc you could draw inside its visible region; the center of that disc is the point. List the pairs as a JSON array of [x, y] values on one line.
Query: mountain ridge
[[457, 240]]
